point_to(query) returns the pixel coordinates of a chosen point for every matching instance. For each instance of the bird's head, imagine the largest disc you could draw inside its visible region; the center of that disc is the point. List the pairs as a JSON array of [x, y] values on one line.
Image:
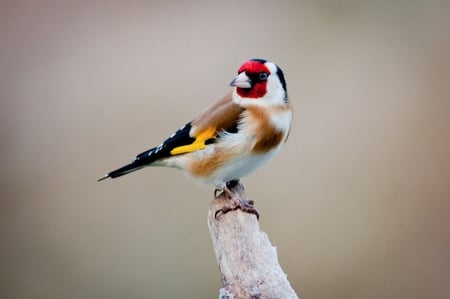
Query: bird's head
[[260, 80]]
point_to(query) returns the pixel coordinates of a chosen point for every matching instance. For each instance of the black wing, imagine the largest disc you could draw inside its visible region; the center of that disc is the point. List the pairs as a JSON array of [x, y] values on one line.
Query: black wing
[[179, 138]]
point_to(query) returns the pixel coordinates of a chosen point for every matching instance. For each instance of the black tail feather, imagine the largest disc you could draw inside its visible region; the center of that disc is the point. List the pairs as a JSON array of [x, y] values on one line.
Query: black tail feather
[[133, 166], [179, 138], [125, 170]]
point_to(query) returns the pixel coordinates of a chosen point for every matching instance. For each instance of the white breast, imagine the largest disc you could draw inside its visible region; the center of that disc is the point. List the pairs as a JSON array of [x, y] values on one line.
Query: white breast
[[245, 162]]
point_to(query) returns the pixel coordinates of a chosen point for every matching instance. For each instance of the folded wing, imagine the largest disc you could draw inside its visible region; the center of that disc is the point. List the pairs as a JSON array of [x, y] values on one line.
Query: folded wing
[[222, 115]]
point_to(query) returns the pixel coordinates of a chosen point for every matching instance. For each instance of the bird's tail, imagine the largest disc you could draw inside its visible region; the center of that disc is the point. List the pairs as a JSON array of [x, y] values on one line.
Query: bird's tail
[[133, 166]]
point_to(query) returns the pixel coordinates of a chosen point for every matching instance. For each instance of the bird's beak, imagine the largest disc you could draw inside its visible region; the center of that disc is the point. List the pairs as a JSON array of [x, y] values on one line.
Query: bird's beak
[[242, 81]]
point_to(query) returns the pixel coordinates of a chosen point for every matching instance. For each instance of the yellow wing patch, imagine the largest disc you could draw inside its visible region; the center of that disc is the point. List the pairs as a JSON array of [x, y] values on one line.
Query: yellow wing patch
[[198, 144]]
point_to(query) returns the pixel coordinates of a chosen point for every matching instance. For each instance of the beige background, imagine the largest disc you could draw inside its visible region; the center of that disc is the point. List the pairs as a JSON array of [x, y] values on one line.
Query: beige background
[[357, 203]]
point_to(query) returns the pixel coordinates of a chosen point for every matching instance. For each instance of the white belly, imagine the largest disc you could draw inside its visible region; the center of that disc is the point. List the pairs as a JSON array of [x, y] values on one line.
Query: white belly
[[241, 167]]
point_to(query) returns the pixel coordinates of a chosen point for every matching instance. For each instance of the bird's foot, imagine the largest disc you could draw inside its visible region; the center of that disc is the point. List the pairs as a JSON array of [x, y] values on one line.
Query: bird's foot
[[243, 204], [237, 203]]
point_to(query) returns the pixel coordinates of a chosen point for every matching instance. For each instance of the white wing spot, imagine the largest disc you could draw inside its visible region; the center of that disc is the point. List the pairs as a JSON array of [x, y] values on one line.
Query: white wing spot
[[156, 150]]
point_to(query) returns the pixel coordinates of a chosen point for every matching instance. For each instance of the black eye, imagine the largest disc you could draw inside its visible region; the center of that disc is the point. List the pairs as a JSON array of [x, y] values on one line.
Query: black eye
[[262, 76]]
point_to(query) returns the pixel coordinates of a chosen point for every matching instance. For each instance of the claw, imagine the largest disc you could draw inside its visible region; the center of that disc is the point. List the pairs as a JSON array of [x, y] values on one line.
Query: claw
[[237, 203]]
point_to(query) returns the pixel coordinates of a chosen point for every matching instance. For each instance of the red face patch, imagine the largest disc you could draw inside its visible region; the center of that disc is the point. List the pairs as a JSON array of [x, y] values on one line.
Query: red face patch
[[254, 69]]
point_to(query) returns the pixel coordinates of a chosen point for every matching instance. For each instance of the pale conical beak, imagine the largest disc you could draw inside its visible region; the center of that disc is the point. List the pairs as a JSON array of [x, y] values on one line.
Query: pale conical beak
[[242, 81]]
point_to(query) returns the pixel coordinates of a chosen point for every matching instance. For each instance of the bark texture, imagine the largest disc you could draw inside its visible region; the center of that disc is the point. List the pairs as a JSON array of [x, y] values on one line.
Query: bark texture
[[248, 262]]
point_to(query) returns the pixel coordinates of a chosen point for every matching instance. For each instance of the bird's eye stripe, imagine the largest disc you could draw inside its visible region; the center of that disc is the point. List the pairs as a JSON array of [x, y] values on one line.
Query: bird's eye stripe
[[258, 77]]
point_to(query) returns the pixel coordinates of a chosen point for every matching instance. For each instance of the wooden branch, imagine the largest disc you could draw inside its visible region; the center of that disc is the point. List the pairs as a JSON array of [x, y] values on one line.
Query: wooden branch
[[248, 262]]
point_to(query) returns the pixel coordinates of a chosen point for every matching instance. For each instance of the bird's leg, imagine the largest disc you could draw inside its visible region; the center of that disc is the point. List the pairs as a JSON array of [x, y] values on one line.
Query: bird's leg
[[237, 203], [230, 184]]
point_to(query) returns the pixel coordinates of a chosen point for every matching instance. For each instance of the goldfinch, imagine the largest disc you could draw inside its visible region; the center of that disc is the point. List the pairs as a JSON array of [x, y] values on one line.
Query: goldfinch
[[232, 137]]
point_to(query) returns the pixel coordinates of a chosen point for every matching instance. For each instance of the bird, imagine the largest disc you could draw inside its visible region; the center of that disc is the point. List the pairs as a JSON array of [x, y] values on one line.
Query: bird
[[234, 136]]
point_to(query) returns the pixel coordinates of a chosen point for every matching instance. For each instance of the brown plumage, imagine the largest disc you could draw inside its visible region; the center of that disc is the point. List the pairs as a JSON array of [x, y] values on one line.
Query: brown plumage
[[222, 114]]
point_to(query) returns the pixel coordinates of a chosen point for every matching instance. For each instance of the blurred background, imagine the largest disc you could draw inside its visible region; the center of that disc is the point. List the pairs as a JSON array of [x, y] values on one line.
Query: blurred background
[[357, 203]]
